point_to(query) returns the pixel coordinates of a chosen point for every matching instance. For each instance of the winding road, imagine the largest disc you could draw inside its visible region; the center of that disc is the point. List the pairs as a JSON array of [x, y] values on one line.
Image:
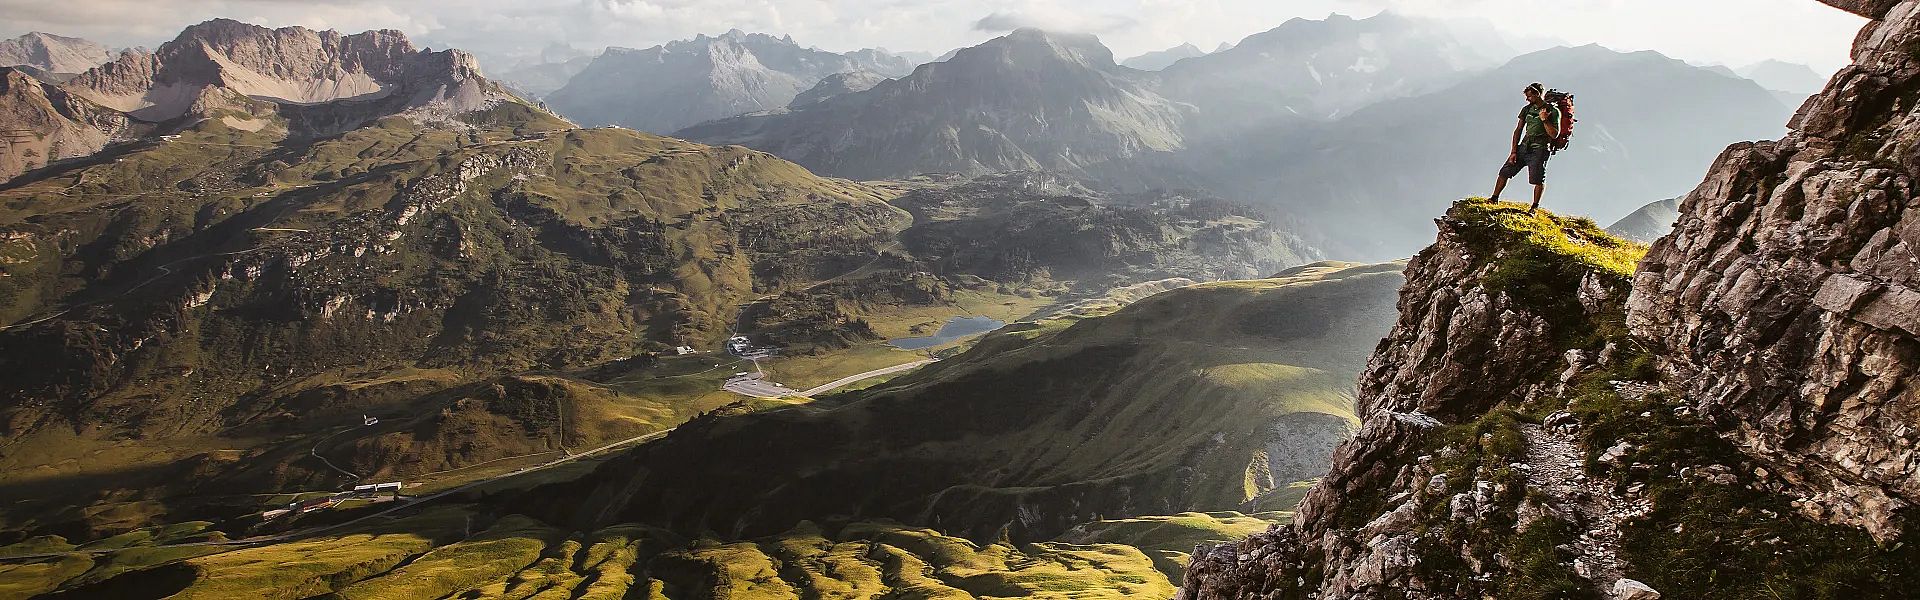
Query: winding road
[[850, 379]]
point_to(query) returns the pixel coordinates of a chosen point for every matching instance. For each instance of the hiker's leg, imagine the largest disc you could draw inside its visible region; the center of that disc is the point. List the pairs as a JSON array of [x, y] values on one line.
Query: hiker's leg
[[1537, 173], [1507, 171]]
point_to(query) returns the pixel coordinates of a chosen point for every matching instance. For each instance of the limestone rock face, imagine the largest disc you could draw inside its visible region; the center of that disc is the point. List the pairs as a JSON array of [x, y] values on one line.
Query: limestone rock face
[[1788, 296], [291, 65], [320, 82]]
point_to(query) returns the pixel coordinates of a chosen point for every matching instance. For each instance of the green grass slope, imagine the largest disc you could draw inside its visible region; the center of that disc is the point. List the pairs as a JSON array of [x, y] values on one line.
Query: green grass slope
[[1203, 398]]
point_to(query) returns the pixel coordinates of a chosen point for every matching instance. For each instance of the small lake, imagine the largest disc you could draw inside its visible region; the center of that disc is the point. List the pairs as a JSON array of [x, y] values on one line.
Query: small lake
[[956, 328]]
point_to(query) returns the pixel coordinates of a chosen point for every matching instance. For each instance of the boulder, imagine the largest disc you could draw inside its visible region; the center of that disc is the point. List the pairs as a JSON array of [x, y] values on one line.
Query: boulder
[[1628, 589]]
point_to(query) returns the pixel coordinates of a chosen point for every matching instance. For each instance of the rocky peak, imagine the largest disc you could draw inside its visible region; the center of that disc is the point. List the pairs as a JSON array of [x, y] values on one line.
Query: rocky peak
[[289, 65], [1028, 100], [682, 83], [314, 82], [1787, 297], [1029, 47], [53, 53], [837, 84]]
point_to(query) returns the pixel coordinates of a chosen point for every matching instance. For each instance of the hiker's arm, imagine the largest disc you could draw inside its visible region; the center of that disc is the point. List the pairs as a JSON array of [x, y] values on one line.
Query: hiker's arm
[[1553, 125], [1518, 128]]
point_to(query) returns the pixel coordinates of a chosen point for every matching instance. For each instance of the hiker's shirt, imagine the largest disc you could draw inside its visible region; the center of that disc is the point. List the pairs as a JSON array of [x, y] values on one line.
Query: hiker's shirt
[[1536, 129]]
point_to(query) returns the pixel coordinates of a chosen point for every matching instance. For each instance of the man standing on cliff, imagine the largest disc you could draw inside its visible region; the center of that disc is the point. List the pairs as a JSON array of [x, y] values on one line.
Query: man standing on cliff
[[1532, 137]]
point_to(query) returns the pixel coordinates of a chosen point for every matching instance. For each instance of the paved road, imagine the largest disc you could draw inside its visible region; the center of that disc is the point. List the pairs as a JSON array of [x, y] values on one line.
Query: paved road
[[850, 379], [749, 385], [410, 504]]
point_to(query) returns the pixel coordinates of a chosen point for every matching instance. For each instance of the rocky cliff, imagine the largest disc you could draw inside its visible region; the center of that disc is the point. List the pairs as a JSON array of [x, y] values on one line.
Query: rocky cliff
[[1728, 423], [1787, 300]]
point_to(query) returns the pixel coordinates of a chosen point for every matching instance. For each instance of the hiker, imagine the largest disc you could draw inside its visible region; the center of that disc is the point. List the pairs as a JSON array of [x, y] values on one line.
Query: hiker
[[1533, 140]]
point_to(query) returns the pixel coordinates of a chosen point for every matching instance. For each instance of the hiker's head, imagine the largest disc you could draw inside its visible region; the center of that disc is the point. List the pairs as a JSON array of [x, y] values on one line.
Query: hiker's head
[[1535, 92]]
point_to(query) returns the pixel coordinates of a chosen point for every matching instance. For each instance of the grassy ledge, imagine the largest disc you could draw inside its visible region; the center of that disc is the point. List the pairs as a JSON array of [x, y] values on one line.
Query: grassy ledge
[[1543, 233]]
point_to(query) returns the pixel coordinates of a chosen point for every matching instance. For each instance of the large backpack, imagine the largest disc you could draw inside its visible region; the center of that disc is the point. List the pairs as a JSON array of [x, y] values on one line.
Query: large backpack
[[1564, 102]]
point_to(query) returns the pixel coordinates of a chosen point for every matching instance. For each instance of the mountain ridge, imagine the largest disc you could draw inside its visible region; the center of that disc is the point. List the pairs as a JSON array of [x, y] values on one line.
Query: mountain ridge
[[53, 53]]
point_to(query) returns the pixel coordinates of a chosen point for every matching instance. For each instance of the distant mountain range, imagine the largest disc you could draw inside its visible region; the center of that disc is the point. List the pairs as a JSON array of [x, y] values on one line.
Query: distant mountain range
[[53, 53], [1155, 61], [1301, 119], [311, 82], [1370, 182], [1650, 223], [1784, 76], [1030, 100], [665, 88], [1307, 69]]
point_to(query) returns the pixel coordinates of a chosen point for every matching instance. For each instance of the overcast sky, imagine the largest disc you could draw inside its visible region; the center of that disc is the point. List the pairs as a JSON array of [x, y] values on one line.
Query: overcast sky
[[1735, 32]]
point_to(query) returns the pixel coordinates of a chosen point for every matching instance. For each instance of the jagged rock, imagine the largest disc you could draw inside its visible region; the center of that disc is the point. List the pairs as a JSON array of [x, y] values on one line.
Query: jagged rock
[[1786, 302], [1628, 589], [1872, 9], [1615, 453]]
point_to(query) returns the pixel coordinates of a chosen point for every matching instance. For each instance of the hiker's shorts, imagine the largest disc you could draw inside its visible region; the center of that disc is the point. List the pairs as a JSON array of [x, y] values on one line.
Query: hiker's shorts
[[1531, 158]]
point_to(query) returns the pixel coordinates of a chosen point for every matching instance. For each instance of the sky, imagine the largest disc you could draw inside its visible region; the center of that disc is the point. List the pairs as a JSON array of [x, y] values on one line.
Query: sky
[[1732, 32]]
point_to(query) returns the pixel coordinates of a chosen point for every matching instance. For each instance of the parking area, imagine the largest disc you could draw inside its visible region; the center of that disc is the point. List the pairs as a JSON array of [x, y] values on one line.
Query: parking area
[[754, 384]]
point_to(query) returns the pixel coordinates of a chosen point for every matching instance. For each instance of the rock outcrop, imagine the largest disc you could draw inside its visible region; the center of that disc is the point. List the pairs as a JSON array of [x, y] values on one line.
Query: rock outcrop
[[1733, 422], [1465, 343], [1788, 298]]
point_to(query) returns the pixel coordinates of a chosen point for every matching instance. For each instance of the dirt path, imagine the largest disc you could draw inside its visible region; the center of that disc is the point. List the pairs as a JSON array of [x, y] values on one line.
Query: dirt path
[[1556, 467]]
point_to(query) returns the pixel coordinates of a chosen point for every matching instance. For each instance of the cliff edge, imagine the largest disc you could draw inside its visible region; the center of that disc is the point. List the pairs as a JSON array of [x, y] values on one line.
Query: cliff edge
[[1729, 418]]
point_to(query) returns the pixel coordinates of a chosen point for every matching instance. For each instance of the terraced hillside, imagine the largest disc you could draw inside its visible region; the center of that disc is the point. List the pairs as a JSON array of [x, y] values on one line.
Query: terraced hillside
[[1205, 398]]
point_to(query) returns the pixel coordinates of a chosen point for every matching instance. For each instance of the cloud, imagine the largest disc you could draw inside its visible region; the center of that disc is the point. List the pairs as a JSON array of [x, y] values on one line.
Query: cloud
[[1054, 19]]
